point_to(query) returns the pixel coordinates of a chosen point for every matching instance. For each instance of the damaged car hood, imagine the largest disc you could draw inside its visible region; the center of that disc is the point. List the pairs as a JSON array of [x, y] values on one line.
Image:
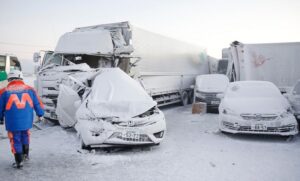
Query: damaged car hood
[[115, 94]]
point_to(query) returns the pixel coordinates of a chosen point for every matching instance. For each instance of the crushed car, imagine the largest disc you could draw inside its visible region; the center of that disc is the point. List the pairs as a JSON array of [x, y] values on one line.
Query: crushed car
[[109, 108], [256, 107]]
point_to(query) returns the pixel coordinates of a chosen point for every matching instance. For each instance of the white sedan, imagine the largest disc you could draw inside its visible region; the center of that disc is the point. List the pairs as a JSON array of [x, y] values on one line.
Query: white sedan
[[256, 107]]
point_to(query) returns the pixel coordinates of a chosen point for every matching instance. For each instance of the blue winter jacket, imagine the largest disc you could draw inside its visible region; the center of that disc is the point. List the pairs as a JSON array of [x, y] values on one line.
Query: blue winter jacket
[[17, 102]]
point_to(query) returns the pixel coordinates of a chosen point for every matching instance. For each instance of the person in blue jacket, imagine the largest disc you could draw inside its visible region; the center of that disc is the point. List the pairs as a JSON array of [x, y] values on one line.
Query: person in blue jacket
[[17, 102]]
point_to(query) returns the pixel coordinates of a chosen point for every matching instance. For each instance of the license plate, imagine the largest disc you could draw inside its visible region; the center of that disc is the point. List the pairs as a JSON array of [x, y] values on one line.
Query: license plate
[[260, 127], [215, 102], [131, 135]]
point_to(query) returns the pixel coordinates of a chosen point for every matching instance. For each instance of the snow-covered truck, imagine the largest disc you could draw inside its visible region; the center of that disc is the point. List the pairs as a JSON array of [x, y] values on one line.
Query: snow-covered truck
[[165, 67], [275, 62]]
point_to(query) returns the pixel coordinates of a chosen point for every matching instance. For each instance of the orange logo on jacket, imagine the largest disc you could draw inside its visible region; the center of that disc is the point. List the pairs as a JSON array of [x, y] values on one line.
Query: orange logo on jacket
[[20, 104]]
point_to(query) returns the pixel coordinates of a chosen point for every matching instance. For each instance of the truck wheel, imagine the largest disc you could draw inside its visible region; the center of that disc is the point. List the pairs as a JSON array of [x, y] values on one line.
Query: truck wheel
[[184, 98]]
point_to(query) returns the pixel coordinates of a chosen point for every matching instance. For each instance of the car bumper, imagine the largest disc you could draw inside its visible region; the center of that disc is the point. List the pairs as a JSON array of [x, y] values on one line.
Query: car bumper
[[210, 102], [113, 135], [235, 125]]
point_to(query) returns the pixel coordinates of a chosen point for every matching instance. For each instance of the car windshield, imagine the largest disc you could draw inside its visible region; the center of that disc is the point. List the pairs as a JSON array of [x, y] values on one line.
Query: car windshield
[[213, 81], [252, 90]]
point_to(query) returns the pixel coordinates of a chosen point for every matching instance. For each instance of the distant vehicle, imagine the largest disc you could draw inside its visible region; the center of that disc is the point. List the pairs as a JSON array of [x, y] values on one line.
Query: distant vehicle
[[275, 62], [115, 110], [294, 98], [166, 68], [256, 107], [7, 63], [207, 87]]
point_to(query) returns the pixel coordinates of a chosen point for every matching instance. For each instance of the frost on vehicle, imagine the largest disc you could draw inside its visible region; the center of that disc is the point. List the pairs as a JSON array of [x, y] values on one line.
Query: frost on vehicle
[[166, 68], [114, 110], [259, 61], [294, 98], [256, 107], [208, 86]]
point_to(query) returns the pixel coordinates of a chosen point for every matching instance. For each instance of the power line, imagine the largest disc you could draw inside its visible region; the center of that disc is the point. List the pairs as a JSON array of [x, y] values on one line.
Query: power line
[[23, 44]]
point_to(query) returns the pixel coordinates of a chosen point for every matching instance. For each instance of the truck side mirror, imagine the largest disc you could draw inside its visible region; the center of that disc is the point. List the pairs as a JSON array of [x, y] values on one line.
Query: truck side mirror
[[36, 57]]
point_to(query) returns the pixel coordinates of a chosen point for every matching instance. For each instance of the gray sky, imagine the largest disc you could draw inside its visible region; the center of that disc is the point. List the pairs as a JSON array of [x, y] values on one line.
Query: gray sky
[[211, 24]]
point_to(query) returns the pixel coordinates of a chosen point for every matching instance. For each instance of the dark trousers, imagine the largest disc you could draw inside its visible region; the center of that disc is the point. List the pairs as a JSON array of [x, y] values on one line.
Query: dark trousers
[[19, 140]]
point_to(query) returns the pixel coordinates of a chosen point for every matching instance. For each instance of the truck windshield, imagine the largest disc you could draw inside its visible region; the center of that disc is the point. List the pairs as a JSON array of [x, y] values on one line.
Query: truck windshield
[[2, 63], [53, 59]]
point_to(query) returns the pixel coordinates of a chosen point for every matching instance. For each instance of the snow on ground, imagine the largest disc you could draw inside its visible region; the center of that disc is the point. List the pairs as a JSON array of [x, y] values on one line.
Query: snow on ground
[[193, 149]]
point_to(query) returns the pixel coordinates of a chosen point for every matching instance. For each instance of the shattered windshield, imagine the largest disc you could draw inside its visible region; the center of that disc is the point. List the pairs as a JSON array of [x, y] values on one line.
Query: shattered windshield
[[53, 59]]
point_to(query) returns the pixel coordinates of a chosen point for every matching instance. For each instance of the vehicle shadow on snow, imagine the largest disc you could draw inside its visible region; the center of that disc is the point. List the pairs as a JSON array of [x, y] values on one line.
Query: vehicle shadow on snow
[[121, 149], [260, 138]]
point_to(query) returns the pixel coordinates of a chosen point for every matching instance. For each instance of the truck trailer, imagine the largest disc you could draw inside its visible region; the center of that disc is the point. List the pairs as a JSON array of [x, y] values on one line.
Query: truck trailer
[[275, 62], [166, 68]]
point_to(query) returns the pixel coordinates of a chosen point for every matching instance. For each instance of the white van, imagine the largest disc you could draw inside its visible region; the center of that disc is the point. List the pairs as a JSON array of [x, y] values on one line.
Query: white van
[[208, 86]]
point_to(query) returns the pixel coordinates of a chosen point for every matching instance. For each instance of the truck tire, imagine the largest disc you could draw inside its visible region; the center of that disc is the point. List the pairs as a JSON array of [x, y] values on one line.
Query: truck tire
[[184, 98]]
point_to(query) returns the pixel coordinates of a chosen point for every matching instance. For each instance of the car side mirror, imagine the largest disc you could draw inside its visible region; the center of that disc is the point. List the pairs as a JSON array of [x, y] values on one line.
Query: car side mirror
[[220, 96], [36, 57]]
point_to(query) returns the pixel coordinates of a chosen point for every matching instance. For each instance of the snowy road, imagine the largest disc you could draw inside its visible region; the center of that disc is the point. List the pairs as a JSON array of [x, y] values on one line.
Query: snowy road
[[194, 149]]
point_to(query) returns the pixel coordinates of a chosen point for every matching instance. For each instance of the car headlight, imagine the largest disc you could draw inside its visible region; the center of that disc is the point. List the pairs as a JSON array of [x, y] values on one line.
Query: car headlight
[[287, 113], [200, 94], [229, 112]]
